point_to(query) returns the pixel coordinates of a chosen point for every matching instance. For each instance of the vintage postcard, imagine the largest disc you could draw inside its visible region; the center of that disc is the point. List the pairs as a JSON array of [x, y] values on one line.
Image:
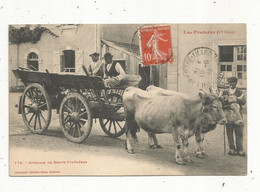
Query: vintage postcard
[[128, 99]]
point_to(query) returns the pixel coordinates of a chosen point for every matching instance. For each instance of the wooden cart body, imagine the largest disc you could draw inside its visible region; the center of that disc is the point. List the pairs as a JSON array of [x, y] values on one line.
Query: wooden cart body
[[77, 98]]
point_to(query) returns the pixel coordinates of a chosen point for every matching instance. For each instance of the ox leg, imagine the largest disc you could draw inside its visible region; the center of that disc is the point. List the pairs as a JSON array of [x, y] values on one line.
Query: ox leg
[[200, 153], [153, 142], [150, 140], [202, 145], [128, 145], [177, 142], [185, 143]]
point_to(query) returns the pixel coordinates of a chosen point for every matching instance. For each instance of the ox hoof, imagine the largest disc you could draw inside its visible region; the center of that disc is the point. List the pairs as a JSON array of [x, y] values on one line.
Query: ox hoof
[[179, 161], [155, 147], [188, 159], [131, 151], [204, 154], [200, 155]]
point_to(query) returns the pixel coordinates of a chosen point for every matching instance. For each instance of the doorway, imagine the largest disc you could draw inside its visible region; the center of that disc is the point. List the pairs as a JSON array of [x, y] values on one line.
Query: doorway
[[144, 72]]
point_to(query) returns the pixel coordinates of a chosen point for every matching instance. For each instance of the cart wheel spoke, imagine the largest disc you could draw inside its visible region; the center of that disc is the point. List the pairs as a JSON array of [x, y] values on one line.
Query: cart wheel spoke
[[66, 119], [106, 122], [69, 109], [29, 96], [114, 127], [74, 129], [85, 112], [74, 110], [27, 113], [110, 123], [39, 121], [76, 105], [32, 96], [78, 127], [80, 108], [42, 105], [36, 96], [81, 119], [39, 102], [35, 121], [42, 117], [31, 118], [26, 106], [34, 101], [81, 125], [118, 126], [70, 127]]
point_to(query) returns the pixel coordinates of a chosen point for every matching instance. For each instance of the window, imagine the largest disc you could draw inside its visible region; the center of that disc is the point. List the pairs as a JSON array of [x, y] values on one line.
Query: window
[[225, 67], [232, 62], [241, 53], [68, 61], [240, 70], [33, 61], [226, 53]]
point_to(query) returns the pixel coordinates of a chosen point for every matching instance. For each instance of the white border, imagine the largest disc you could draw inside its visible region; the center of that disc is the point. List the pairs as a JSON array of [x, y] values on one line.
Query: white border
[[134, 11]]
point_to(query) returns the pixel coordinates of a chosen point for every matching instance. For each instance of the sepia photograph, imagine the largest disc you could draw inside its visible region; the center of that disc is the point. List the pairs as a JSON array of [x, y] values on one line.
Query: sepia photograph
[[129, 95], [160, 99]]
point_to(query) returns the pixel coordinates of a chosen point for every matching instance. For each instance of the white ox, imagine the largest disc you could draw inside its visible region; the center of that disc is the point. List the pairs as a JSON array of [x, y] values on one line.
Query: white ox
[[175, 114], [231, 110]]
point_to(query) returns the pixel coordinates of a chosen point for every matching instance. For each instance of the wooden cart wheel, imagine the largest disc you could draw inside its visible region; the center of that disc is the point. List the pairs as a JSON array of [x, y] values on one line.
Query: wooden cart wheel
[[36, 108], [111, 127], [75, 117]]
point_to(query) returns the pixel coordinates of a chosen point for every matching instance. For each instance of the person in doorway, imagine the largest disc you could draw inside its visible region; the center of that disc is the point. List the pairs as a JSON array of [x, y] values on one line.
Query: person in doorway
[[96, 66], [114, 72], [231, 128]]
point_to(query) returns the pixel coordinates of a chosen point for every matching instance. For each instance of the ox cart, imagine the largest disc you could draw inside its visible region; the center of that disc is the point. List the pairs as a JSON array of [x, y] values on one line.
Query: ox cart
[[78, 99]]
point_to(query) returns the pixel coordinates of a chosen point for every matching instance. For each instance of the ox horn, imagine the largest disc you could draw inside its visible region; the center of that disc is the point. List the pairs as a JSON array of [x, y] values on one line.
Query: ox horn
[[203, 91]]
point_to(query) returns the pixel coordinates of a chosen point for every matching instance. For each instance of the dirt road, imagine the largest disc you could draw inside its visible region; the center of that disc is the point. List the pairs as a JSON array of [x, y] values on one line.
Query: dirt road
[[52, 154]]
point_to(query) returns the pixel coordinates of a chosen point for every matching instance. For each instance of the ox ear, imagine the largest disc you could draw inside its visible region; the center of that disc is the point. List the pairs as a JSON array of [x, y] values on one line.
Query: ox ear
[[205, 99]]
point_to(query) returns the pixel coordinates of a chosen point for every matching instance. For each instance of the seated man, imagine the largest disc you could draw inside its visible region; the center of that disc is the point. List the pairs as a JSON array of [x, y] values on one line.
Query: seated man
[[96, 66], [113, 72]]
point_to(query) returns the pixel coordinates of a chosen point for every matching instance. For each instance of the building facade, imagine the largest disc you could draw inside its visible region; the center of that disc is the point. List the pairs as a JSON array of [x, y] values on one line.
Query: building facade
[[65, 53], [205, 55]]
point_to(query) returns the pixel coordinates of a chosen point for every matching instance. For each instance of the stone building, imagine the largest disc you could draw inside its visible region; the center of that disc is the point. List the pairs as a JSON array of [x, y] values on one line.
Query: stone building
[[205, 55]]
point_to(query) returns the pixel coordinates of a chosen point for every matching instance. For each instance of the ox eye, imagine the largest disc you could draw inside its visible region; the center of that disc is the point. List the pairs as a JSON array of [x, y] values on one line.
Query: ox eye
[[214, 107]]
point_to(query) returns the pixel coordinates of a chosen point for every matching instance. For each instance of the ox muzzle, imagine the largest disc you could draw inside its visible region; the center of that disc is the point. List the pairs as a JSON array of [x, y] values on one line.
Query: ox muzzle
[[222, 121]]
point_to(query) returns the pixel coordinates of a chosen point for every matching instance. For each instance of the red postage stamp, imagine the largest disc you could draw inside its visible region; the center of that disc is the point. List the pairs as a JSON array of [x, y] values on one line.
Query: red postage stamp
[[156, 45]]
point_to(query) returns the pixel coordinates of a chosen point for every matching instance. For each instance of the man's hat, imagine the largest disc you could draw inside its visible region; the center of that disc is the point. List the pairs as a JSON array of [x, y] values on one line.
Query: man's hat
[[94, 54], [107, 55], [232, 79]]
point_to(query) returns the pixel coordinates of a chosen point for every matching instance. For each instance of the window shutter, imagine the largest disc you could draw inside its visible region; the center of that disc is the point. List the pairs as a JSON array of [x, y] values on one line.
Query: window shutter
[[56, 61], [79, 57]]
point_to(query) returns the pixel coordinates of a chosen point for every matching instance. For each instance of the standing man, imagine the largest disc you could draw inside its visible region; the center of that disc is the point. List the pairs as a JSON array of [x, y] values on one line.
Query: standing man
[[114, 72], [231, 128], [96, 66]]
